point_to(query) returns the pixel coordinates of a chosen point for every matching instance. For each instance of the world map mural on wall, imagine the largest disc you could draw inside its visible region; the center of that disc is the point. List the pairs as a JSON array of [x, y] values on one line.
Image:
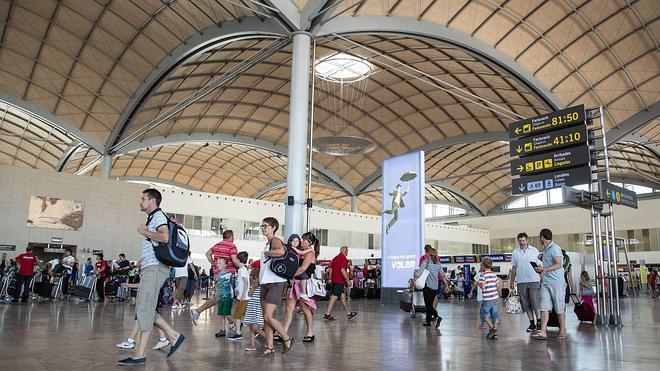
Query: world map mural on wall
[[55, 213]]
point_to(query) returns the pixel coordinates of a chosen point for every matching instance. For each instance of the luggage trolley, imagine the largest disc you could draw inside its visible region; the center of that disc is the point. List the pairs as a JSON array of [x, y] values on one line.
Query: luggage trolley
[[86, 290], [40, 286], [8, 286]]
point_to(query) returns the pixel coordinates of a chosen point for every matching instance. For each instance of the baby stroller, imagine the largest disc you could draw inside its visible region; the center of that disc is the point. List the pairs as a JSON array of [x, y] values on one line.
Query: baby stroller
[[8, 290]]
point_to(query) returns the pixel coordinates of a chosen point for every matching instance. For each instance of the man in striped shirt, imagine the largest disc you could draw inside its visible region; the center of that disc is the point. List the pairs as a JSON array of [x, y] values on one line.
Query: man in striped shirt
[[490, 289]]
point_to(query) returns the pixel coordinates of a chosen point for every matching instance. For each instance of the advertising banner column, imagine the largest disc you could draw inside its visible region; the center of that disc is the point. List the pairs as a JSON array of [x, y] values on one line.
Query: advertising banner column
[[403, 219]]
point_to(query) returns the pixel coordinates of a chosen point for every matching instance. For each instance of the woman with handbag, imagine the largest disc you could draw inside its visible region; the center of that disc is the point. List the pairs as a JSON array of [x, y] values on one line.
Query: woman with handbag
[[427, 277]]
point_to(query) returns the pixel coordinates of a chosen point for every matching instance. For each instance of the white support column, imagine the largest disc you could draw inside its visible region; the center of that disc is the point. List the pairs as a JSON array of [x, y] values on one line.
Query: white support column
[[354, 204], [107, 166], [298, 132]]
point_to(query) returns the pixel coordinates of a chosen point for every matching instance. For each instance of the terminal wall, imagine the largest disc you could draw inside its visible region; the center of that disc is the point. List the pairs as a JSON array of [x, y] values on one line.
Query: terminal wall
[[112, 215]]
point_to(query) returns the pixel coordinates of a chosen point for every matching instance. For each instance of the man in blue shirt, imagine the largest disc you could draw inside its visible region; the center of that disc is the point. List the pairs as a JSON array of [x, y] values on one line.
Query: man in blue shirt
[[553, 285]]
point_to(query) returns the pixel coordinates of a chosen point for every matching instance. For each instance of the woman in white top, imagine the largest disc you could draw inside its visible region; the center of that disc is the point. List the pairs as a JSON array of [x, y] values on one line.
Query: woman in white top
[[273, 287]]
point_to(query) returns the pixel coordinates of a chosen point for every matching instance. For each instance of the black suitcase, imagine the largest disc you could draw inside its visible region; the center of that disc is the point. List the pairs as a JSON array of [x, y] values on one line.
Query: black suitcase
[[43, 289], [80, 292], [110, 289], [373, 293], [357, 293], [553, 319]]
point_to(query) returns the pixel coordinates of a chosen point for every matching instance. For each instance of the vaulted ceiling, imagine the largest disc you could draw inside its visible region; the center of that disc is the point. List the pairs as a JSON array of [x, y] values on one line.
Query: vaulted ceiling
[[196, 93]]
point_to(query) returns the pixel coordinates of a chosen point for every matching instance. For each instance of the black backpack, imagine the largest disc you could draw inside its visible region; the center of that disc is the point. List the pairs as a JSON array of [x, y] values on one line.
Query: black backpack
[[286, 265], [174, 253]]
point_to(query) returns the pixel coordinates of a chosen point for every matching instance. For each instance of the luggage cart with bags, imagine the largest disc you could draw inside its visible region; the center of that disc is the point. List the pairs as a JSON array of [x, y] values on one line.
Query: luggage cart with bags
[[8, 290], [86, 290], [412, 301]]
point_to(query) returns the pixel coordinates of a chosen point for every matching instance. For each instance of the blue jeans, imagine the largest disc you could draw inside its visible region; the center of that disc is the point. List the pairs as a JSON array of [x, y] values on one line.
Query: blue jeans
[[489, 310]]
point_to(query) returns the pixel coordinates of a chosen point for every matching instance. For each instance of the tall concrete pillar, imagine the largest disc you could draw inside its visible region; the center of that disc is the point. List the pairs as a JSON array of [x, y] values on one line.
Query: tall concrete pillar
[[107, 166], [298, 133]]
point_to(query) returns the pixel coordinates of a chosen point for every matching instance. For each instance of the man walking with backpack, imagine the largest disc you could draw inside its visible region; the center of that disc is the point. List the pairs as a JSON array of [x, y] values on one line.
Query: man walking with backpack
[[152, 276]]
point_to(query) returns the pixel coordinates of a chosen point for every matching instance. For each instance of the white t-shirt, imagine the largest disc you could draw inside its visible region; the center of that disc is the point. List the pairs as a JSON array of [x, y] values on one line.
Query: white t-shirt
[[183, 271], [265, 274], [242, 276], [68, 262]]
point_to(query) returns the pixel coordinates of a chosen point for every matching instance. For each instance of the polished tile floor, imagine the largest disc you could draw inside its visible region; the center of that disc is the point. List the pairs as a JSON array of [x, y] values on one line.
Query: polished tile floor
[[56, 336]]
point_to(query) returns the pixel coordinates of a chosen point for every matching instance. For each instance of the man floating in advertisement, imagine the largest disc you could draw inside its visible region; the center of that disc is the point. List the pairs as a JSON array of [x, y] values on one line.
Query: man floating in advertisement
[[397, 199]]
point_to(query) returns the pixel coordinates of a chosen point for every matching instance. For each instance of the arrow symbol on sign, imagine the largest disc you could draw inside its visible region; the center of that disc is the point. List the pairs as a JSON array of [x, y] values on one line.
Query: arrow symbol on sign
[[519, 149], [521, 188], [520, 168], [517, 131]]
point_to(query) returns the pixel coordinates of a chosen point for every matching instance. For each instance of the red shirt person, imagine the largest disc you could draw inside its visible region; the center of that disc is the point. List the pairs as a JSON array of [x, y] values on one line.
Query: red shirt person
[[26, 262], [224, 249], [339, 279]]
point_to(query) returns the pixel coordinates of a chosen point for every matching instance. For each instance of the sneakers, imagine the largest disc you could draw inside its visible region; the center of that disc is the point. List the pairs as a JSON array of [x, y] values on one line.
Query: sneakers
[[161, 344], [126, 344], [235, 337], [532, 327], [351, 315], [250, 348], [328, 317], [220, 334], [492, 334], [177, 306], [437, 322], [482, 325], [194, 314]]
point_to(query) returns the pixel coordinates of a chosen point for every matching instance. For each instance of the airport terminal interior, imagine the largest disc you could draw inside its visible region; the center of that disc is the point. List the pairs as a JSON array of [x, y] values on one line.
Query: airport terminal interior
[[423, 135]]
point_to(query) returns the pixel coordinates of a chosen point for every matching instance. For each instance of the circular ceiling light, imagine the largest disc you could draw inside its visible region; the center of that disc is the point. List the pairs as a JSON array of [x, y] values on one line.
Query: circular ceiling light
[[342, 68], [337, 145]]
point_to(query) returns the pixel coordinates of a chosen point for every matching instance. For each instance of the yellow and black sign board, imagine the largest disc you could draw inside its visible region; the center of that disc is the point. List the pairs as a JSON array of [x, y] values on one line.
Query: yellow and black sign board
[[552, 161], [567, 117], [549, 141], [556, 179]]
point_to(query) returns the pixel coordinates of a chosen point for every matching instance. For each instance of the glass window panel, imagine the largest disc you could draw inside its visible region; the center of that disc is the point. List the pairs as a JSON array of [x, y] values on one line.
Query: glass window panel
[[197, 223], [517, 204], [537, 199], [555, 196]]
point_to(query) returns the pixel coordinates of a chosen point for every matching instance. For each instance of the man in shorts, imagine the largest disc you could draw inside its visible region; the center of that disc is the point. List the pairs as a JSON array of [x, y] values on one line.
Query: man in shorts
[[553, 286], [339, 280], [153, 274], [529, 282]]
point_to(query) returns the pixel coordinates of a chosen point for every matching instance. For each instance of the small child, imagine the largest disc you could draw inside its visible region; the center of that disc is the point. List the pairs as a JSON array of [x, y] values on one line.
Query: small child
[[294, 244], [586, 290], [479, 295], [242, 287], [254, 317], [491, 290], [224, 294]]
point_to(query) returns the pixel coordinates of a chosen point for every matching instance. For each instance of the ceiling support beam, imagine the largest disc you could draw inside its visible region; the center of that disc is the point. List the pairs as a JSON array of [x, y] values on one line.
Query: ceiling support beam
[[52, 120], [226, 32], [328, 175], [371, 24]]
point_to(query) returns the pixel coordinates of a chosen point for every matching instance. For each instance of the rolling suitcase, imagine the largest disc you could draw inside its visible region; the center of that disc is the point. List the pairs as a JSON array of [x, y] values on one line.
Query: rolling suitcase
[[583, 312], [85, 289], [412, 299], [357, 293]]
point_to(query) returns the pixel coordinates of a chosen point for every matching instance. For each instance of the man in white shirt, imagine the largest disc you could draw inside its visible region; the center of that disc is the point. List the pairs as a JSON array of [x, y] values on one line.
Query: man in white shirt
[[529, 282], [180, 283], [68, 262]]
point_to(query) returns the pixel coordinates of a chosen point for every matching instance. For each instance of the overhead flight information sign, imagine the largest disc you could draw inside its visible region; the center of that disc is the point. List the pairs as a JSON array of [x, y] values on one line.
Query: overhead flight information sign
[[568, 177], [549, 141], [551, 151], [569, 157], [556, 120]]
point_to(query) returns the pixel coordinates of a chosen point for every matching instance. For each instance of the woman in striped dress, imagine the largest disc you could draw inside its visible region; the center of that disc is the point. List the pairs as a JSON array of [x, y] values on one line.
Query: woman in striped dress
[[254, 318]]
